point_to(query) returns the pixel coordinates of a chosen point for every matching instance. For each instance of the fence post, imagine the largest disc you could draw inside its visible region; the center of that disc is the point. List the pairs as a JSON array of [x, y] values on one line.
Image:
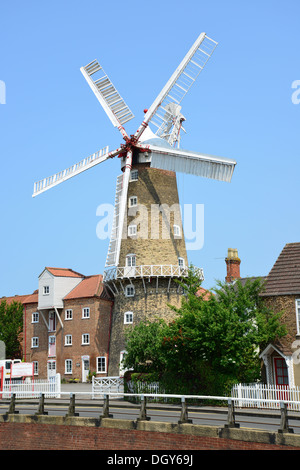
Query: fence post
[[184, 413], [105, 412], [12, 405], [231, 416], [284, 425], [41, 407], [71, 411], [143, 410]]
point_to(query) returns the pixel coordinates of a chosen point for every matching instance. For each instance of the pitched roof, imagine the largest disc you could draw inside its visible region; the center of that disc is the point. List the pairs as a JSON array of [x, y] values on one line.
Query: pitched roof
[[90, 286], [284, 277], [64, 272], [15, 298]]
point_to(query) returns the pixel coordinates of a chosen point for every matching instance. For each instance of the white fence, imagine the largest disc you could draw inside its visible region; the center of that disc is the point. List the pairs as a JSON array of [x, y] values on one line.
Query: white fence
[[33, 388], [266, 396], [103, 385]]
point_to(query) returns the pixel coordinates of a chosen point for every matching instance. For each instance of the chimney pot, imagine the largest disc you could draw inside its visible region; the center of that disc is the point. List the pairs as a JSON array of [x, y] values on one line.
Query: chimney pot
[[233, 265]]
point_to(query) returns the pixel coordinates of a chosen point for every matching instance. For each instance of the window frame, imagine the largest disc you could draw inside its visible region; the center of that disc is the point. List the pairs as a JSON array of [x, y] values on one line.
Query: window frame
[[83, 313], [129, 286], [181, 260], [68, 362], [35, 320], [67, 312], [83, 337], [134, 175], [132, 228], [133, 201], [176, 228], [67, 338], [131, 260], [126, 315], [46, 290], [99, 371], [35, 342]]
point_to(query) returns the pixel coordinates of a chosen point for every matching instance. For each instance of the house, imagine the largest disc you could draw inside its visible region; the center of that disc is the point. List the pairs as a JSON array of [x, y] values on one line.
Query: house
[[67, 323], [282, 293]]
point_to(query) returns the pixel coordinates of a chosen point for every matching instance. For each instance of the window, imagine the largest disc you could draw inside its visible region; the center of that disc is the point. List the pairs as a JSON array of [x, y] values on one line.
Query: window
[[35, 342], [177, 231], [68, 340], [68, 366], [69, 314], [46, 290], [130, 260], [101, 364], [298, 315], [51, 346], [134, 175], [35, 368], [128, 318], [132, 201], [181, 262], [132, 230], [85, 338], [52, 321], [86, 312], [35, 317], [129, 291]]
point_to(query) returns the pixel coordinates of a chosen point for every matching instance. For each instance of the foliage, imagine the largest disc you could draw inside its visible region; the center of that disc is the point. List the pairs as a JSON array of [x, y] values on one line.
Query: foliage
[[11, 326], [212, 342]]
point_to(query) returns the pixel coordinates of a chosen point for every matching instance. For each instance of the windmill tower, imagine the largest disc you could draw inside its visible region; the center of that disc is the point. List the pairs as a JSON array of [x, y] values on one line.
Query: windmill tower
[[147, 249]]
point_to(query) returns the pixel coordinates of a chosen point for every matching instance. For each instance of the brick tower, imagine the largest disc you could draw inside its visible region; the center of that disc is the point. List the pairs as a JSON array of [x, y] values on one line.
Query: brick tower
[[152, 254]]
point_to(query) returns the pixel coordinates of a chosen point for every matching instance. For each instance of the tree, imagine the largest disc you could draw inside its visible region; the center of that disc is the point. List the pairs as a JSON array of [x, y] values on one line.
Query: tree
[[212, 341], [11, 326]]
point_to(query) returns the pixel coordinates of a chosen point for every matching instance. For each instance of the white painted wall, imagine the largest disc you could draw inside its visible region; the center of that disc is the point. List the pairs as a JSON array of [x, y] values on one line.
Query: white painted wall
[[59, 287]]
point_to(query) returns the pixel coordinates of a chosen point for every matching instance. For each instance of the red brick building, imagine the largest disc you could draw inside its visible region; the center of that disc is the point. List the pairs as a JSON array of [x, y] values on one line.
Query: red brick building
[[67, 325]]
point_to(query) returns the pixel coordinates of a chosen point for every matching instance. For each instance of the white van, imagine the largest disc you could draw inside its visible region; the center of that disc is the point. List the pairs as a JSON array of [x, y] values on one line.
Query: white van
[[6, 364]]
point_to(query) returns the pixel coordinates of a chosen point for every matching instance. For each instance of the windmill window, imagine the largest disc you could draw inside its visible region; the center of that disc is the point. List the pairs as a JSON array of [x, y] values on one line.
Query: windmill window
[[132, 201], [128, 318], [181, 262], [131, 260], [177, 231], [134, 175], [129, 291], [132, 230]]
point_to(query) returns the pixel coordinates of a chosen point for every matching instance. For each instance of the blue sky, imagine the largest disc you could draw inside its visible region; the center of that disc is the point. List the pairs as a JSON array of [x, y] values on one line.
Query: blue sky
[[240, 108]]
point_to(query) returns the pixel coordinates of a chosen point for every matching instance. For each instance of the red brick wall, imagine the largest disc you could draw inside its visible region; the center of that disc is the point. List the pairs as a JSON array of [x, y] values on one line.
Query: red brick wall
[[37, 436]]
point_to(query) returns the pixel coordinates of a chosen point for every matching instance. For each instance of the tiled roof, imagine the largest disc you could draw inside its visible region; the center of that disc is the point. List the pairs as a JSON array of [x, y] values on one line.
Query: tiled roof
[[91, 286], [64, 272], [15, 298], [284, 277]]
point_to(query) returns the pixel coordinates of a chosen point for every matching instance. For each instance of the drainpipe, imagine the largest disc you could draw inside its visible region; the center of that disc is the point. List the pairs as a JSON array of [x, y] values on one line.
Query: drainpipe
[[25, 333], [109, 332]]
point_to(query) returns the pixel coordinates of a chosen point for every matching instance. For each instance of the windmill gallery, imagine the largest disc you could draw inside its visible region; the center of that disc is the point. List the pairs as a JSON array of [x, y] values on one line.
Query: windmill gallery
[[143, 262]]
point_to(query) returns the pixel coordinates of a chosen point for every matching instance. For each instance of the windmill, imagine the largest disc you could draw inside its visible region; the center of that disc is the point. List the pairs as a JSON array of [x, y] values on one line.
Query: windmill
[[149, 162]]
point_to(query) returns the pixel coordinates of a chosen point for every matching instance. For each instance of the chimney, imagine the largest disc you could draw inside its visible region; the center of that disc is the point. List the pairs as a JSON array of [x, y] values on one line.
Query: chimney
[[233, 265]]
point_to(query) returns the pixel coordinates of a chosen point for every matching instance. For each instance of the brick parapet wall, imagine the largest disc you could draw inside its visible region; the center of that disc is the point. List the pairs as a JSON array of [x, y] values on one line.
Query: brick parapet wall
[[24, 432]]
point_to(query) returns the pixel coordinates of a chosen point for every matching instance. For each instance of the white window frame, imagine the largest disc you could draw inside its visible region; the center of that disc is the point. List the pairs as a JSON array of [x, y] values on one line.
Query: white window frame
[[133, 201], [51, 340], [86, 312], [68, 314], [131, 260], [68, 366], [46, 290], [68, 340], [132, 230], [35, 368], [35, 342], [85, 339], [129, 291], [177, 230], [128, 318], [297, 307], [101, 364], [134, 175], [181, 262], [35, 317]]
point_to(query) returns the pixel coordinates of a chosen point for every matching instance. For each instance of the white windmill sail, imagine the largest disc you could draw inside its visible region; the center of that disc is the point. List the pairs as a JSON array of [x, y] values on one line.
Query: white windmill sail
[[94, 159], [179, 83], [194, 163], [109, 98], [112, 253]]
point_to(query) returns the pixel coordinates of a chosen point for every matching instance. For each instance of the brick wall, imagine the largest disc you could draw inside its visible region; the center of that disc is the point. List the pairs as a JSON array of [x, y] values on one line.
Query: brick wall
[[90, 435]]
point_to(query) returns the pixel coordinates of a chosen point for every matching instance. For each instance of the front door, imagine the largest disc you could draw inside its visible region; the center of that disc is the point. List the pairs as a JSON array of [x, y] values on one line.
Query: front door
[[85, 368], [282, 378]]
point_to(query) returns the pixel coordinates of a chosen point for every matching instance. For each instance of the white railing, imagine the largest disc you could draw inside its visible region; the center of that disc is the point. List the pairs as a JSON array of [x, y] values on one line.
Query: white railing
[[161, 270], [266, 396], [33, 388], [107, 385]]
